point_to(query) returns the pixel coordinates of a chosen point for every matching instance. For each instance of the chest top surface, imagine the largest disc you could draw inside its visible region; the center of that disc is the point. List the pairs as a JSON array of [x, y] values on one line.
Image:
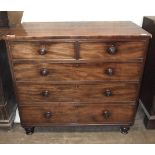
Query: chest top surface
[[75, 30]]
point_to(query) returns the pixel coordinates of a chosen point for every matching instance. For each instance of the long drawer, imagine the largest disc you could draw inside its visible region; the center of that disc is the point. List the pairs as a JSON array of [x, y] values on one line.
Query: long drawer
[[77, 71], [78, 114], [103, 92]]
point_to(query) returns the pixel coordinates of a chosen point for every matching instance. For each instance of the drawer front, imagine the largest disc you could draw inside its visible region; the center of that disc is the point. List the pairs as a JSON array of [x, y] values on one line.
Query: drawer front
[[107, 114], [55, 114], [39, 50], [120, 51], [80, 114], [80, 72], [105, 92]]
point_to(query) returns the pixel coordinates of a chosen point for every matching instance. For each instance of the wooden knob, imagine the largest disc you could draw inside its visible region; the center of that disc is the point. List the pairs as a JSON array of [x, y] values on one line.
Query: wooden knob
[[45, 93], [44, 72], [109, 71], [106, 114], [76, 65], [48, 114], [112, 49], [108, 92], [42, 51]]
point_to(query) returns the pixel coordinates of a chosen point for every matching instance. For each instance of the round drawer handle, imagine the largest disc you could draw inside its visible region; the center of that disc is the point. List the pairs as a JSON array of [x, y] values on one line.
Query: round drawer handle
[[112, 49], [106, 114], [48, 114], [42, 51], [76, 65], [109, 71], [45, 93], [108, 93], [44, 72]]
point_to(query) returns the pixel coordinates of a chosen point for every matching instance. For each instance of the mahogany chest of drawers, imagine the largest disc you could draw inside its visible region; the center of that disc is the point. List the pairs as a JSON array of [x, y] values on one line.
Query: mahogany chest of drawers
[[77, 73]]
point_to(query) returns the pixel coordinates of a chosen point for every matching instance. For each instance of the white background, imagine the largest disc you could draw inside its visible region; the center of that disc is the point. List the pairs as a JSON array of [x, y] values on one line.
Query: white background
[[80, 10], [89, 10]]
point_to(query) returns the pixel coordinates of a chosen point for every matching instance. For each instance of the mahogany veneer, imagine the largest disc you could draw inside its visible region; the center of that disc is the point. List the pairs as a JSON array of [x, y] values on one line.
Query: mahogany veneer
[[77, 73]]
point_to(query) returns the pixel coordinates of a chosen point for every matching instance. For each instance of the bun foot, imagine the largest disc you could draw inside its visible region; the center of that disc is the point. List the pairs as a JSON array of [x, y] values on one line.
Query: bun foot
[[29, 131], [124, 130]]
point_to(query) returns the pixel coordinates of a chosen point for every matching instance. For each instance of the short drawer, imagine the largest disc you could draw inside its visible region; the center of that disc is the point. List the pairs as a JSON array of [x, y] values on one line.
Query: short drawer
[[81, 72], [42, 50], [118, 51], [103, 92], [77, 114]]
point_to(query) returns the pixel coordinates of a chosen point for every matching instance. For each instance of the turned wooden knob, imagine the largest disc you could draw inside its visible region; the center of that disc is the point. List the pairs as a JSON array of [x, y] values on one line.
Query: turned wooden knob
[[108, 92], [42, 51], [44, 72], [48, 114], [45, 93], [109, 71], [106, 114], [112, 49], [76, 65]]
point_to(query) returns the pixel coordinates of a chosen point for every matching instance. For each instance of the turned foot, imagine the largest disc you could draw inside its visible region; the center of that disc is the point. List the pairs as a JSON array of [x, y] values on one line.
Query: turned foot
[[124, 130], [29, 131]]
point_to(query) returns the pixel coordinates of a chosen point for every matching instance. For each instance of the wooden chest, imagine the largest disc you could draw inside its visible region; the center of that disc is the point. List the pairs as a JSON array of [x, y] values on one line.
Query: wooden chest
[[8, 104], [77, 73]]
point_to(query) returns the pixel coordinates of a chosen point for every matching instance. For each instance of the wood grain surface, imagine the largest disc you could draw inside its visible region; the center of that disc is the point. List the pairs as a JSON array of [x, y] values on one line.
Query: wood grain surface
[[121, 92], [78, 30], [124, 51], [53, 50], [85, 71], [78, 114]]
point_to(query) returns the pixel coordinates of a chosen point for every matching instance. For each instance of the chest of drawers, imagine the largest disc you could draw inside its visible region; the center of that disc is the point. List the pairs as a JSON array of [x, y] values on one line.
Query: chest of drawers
[[77, 73]]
